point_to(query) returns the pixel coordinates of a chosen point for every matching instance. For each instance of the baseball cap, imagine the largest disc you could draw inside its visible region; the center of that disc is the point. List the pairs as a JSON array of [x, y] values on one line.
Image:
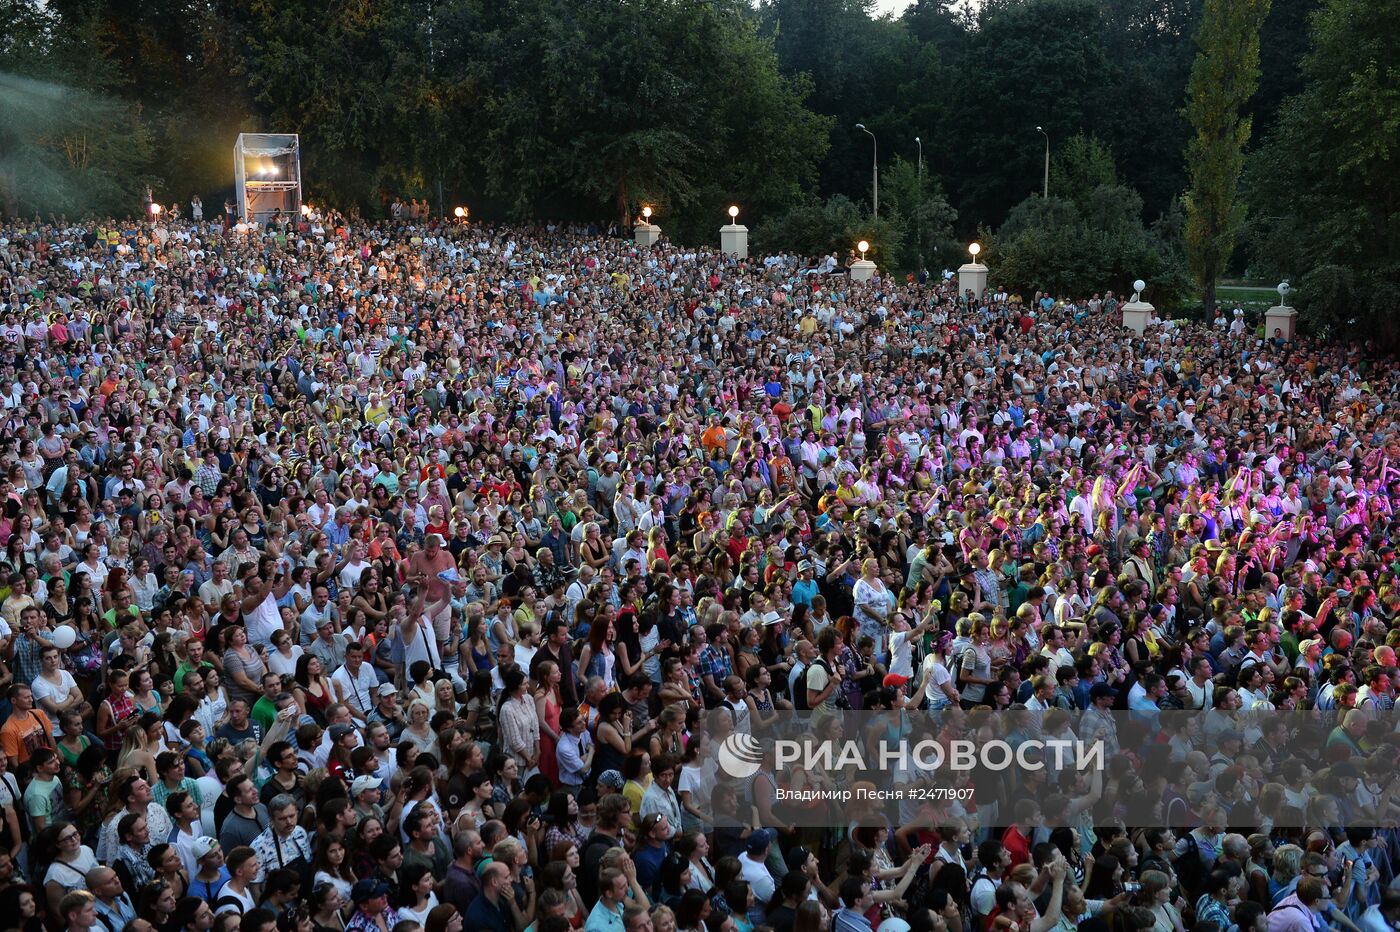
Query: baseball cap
[[365, 783], [368, 889], [796, 858], [1101, 691], [760, 840], [202, 846], [388, 689], [340, 731], [895, 680]]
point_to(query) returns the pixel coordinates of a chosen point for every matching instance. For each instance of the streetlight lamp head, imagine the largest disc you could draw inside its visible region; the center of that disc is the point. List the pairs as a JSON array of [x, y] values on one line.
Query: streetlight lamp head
[[733, 212], [918, 140], [862, 245], [860, 126], [155, 208], [1283, 289], [646, 212], [306, 210], [975, 249], [459, 212], [1039, 130], [1139, 285]]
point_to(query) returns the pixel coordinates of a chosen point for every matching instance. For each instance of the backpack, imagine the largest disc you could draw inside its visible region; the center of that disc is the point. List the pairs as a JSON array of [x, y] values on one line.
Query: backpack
[[229, 899], [799, 701], [1191, 867], [799, 691]]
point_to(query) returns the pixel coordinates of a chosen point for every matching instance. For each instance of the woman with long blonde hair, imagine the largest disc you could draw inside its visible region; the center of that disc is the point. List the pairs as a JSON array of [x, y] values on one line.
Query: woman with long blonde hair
[[135, 753]]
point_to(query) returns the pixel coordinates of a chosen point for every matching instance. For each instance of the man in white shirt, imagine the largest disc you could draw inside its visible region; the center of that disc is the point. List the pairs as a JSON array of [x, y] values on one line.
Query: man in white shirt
[[902, 640], [316, 614], [753, 869], [356, 682], [1055, 649], [1199, 687], [217, 585]]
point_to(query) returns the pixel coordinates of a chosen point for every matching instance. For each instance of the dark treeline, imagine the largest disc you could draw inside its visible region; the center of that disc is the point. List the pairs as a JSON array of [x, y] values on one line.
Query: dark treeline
[[590, 108]]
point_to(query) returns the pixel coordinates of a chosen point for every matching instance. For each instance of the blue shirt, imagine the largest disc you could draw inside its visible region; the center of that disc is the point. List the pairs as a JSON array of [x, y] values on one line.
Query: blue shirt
[[648, 859], [803, 590], [848, 920], [601, 919]]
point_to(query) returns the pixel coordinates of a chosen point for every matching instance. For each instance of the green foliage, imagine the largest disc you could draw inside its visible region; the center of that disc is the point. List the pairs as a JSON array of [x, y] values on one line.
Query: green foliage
[[814, 228], [64, 148], [1223, 79], [1089, 240], [1325, 187], [918, 209], [676, 103], [533, 108]]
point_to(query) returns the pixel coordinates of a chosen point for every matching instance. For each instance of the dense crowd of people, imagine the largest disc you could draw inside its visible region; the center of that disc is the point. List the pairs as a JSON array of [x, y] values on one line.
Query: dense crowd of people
[[382, 577]]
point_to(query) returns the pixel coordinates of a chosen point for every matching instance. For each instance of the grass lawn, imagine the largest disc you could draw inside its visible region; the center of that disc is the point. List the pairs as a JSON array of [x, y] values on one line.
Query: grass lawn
[[1246, 294]]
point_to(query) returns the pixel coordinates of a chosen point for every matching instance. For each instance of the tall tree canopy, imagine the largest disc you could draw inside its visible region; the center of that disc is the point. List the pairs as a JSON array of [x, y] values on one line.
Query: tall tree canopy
[[1223, 79], [586, 109], [1326, 184]]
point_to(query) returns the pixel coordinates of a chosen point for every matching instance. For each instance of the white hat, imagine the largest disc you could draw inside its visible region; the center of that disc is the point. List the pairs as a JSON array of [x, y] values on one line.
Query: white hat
[[365, 783], [202, 846]]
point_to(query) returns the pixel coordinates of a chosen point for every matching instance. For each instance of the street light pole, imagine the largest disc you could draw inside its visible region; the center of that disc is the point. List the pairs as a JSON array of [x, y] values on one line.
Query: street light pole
[[874, 166], [1042, 132], [918, 212]]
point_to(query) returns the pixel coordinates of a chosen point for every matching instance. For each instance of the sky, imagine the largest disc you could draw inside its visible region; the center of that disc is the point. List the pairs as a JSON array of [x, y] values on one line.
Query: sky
[[891, 6]]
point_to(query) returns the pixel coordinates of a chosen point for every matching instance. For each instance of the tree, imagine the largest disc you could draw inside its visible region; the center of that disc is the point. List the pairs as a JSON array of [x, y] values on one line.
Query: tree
[[1088, 240], [915, 203], [1324, 190], [1223, 79], [65, 145], [676, 103]]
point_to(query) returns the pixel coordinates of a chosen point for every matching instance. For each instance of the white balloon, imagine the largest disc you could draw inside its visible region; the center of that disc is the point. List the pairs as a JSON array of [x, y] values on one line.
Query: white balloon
[[64, 636]]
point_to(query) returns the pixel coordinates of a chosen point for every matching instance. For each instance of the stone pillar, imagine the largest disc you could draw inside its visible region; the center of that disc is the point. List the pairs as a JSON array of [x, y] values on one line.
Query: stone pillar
[[862, 270], [1137, 315], [734, 240], [972, 277], [646, 234], [1283, 318]]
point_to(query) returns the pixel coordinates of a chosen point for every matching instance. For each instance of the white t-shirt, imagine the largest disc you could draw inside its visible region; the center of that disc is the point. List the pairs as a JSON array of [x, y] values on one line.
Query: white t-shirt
[[263, 621], [984, 896], [350, 576], [231, 901], [72, 875], [284, 666], [901, 654], [937, 678], [358, 691], [43, 689]]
